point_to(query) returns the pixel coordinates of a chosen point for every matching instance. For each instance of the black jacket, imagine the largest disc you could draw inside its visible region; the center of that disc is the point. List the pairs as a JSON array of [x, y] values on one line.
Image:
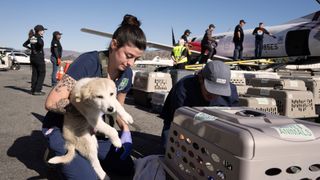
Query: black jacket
[[36, 46], [56, 48]]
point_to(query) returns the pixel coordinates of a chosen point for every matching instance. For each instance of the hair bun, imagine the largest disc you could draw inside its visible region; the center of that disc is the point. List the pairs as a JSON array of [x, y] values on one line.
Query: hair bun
[[129, 19]]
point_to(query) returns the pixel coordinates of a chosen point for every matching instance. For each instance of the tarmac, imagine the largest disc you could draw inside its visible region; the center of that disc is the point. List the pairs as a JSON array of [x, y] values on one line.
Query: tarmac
[[21, 141]]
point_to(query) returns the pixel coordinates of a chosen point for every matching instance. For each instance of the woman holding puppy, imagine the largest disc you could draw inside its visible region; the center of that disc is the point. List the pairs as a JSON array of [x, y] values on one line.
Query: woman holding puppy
[[128, 44]]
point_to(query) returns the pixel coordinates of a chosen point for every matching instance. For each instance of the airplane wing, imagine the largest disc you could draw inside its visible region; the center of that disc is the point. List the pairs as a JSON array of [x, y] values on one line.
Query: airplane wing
[[149, 43], [109, 35]]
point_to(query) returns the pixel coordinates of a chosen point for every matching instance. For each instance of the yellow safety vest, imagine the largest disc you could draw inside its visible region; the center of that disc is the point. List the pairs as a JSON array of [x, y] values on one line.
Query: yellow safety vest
[[177, 53]]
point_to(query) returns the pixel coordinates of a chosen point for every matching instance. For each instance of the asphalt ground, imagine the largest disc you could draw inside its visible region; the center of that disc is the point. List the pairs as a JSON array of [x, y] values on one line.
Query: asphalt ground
[[22, 144]]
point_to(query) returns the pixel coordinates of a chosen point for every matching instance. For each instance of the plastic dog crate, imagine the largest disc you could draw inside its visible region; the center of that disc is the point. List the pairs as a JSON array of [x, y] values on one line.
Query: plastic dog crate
[[242, 90], [142, 98], [152, 81], [313, 85], [294, 104], [260, 103], [177, 74], [288, 84], [157, 101], [241, 144]]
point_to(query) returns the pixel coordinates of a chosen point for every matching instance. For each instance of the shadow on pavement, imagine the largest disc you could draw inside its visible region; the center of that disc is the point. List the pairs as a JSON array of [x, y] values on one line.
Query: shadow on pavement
[[145, 144], [19, 89], [38, 116], [29, 150]]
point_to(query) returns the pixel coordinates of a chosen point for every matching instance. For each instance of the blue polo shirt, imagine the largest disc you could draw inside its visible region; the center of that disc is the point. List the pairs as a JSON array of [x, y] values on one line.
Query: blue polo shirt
[[88, 65], [187, 92]]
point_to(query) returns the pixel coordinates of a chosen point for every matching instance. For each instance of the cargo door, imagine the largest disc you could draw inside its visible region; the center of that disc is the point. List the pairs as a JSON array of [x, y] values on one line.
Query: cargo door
[[297, 43]]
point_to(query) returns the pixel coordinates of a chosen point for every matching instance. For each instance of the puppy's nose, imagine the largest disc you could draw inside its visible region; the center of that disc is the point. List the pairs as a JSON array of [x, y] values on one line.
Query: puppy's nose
[[110, 109]]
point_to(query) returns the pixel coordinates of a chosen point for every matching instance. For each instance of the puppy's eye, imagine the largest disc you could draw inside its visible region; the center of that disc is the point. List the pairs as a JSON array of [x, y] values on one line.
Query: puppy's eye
[[111, 94], [100, 96]]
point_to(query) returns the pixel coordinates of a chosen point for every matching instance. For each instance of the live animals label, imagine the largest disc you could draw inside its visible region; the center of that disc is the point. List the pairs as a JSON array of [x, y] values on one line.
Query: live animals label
[[295, 131]]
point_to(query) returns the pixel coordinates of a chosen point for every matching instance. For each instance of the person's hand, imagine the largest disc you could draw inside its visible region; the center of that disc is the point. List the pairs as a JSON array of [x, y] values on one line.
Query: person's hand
[[126, 141]]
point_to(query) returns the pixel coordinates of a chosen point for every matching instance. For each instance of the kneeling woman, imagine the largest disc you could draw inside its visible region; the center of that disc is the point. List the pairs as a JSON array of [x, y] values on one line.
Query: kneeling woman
[[128, 43]]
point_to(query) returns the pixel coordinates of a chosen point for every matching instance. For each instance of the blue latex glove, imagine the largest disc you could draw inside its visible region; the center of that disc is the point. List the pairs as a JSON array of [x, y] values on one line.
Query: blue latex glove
[[126, 141]]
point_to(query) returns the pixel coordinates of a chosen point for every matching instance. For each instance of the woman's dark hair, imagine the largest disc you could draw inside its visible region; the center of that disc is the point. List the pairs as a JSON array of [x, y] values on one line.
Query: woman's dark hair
[[129, 31], [31, 33]]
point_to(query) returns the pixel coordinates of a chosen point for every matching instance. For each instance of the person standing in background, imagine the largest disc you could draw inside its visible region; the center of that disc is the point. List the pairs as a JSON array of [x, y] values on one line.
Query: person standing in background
[[37, 59], [56, 54], [238, 37], [206, 44], [259, 33], [185, 36]]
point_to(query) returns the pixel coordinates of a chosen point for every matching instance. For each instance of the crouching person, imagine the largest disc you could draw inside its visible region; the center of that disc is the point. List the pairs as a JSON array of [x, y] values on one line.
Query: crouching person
[[209, 87]]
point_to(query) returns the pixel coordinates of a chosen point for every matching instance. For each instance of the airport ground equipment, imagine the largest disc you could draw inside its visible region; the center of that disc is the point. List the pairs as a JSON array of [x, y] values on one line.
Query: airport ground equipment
[[287, 84], [259, 103], [157, 101], [294, 104], [241, 144], [7, 62]]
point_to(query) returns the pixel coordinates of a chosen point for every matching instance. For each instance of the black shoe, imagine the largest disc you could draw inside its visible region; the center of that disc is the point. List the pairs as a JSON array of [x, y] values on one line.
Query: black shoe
[[39, 93]]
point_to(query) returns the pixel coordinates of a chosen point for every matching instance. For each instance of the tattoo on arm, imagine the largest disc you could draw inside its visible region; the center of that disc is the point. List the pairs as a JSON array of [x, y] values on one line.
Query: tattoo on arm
[[60, 106], [66, 81]]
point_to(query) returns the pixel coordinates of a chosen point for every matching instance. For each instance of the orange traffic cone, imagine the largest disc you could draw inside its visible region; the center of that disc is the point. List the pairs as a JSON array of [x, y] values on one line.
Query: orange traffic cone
[[60, 73], [66, 67]]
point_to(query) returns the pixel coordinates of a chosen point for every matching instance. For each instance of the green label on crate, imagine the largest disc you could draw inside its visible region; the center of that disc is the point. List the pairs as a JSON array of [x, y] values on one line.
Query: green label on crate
[[295, 131], [204, 117]]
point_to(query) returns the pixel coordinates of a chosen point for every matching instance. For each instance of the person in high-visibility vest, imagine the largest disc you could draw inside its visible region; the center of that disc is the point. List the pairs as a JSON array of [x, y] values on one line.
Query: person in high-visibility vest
[[179, 55]]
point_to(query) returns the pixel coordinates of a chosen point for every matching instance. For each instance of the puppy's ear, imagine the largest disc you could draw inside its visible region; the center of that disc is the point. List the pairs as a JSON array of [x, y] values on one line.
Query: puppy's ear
[[85, 92]]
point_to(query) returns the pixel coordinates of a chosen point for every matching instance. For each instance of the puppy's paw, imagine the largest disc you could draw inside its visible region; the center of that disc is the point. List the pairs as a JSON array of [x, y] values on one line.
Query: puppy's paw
[[103, 175], [127, 118], [116, 142]]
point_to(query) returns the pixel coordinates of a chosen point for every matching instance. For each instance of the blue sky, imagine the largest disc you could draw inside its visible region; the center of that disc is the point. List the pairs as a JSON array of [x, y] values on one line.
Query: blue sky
[[157, 17]]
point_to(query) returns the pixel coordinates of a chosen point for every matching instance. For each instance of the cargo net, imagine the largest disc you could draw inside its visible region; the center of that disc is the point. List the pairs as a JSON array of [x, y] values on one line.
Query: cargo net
[[190, 157]]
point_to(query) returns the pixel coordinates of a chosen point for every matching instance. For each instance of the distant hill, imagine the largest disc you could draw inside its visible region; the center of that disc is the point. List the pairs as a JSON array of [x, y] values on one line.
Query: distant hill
[[66, 54]]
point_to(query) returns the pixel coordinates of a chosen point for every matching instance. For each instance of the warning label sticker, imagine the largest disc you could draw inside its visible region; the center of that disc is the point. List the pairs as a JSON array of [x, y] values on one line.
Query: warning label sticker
[[295, 131]]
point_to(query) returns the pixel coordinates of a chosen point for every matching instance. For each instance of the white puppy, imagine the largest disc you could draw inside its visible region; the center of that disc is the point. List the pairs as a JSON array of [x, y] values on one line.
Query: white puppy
[[92, 97]]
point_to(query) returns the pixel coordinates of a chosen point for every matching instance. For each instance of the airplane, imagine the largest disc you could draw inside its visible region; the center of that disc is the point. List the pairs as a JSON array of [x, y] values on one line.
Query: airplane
[[298, 38]]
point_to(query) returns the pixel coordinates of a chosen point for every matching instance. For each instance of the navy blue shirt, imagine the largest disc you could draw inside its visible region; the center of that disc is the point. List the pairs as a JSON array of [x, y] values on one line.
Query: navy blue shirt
[[88, 65], [187, 92], [237, 29]]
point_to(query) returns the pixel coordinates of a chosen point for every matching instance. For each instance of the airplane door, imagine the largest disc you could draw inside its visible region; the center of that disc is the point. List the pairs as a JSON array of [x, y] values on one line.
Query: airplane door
[[297, 43]]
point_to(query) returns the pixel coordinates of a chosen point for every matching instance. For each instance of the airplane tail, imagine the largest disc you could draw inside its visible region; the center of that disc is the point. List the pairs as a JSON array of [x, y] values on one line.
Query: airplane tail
[[308, 18], [173, 39], [65, 158]]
